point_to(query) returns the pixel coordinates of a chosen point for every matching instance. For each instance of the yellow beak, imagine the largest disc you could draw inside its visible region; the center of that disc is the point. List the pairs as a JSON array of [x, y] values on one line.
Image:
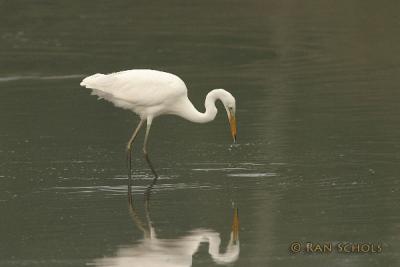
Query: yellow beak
[[232, 122], [235, 225]]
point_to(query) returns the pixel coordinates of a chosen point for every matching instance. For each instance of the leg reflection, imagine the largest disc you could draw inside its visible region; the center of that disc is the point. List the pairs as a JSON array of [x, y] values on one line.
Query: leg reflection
[[145, 227]]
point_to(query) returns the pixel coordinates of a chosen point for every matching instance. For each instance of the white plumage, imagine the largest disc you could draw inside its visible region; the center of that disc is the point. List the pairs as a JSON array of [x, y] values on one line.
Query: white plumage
[[150, 93], [146, 92]]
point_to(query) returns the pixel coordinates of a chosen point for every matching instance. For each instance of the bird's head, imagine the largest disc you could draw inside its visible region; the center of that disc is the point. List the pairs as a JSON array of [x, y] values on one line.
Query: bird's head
[[230, 105]]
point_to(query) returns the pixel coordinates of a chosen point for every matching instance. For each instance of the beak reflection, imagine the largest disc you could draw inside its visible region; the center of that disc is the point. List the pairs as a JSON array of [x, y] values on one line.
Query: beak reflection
[[235, 225]]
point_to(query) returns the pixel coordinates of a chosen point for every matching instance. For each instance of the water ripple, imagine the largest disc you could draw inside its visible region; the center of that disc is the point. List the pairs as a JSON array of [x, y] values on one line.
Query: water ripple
[[252, 175], [33, 77]]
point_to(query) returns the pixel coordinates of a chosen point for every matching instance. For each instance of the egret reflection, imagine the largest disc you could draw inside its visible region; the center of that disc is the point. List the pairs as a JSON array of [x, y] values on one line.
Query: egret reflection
[[152, 251]]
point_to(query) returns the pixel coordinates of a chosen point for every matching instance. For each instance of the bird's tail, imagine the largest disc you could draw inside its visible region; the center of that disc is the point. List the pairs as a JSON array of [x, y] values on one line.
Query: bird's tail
[[93, 81], [99, 83]]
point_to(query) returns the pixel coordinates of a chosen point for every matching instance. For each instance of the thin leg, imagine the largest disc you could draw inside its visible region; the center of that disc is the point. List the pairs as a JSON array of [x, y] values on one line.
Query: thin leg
[[138, 222], [147, 196], [146, 228], [146, 155], [129, 158]]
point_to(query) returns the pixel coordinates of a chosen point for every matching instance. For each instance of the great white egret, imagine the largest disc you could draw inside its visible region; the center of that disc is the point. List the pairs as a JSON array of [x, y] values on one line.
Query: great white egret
[[150, 93]]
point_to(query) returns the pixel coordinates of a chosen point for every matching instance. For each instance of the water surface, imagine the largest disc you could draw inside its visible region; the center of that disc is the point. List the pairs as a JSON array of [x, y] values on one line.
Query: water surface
[[318, 116]]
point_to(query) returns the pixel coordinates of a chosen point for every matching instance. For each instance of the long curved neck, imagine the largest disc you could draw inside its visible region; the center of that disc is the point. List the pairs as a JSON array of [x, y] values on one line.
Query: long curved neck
[[189, 112], [232, 250]]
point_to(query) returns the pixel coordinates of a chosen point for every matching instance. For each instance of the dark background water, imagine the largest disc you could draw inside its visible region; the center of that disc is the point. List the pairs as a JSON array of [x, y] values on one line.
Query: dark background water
[[317, 88]]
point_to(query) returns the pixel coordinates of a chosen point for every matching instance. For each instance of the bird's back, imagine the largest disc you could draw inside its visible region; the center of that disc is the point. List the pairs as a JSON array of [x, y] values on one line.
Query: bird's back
[[137, 89]]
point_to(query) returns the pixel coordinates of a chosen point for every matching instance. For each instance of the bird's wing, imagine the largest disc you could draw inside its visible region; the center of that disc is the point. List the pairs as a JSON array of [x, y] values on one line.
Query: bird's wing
[[137, 87]]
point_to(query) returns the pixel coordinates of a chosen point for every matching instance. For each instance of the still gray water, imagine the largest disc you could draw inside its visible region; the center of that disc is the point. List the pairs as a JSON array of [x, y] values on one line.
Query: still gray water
[[317, 89]]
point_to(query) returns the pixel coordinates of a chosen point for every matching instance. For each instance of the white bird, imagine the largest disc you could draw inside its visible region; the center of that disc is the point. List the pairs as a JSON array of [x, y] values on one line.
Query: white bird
[[150, 93]]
